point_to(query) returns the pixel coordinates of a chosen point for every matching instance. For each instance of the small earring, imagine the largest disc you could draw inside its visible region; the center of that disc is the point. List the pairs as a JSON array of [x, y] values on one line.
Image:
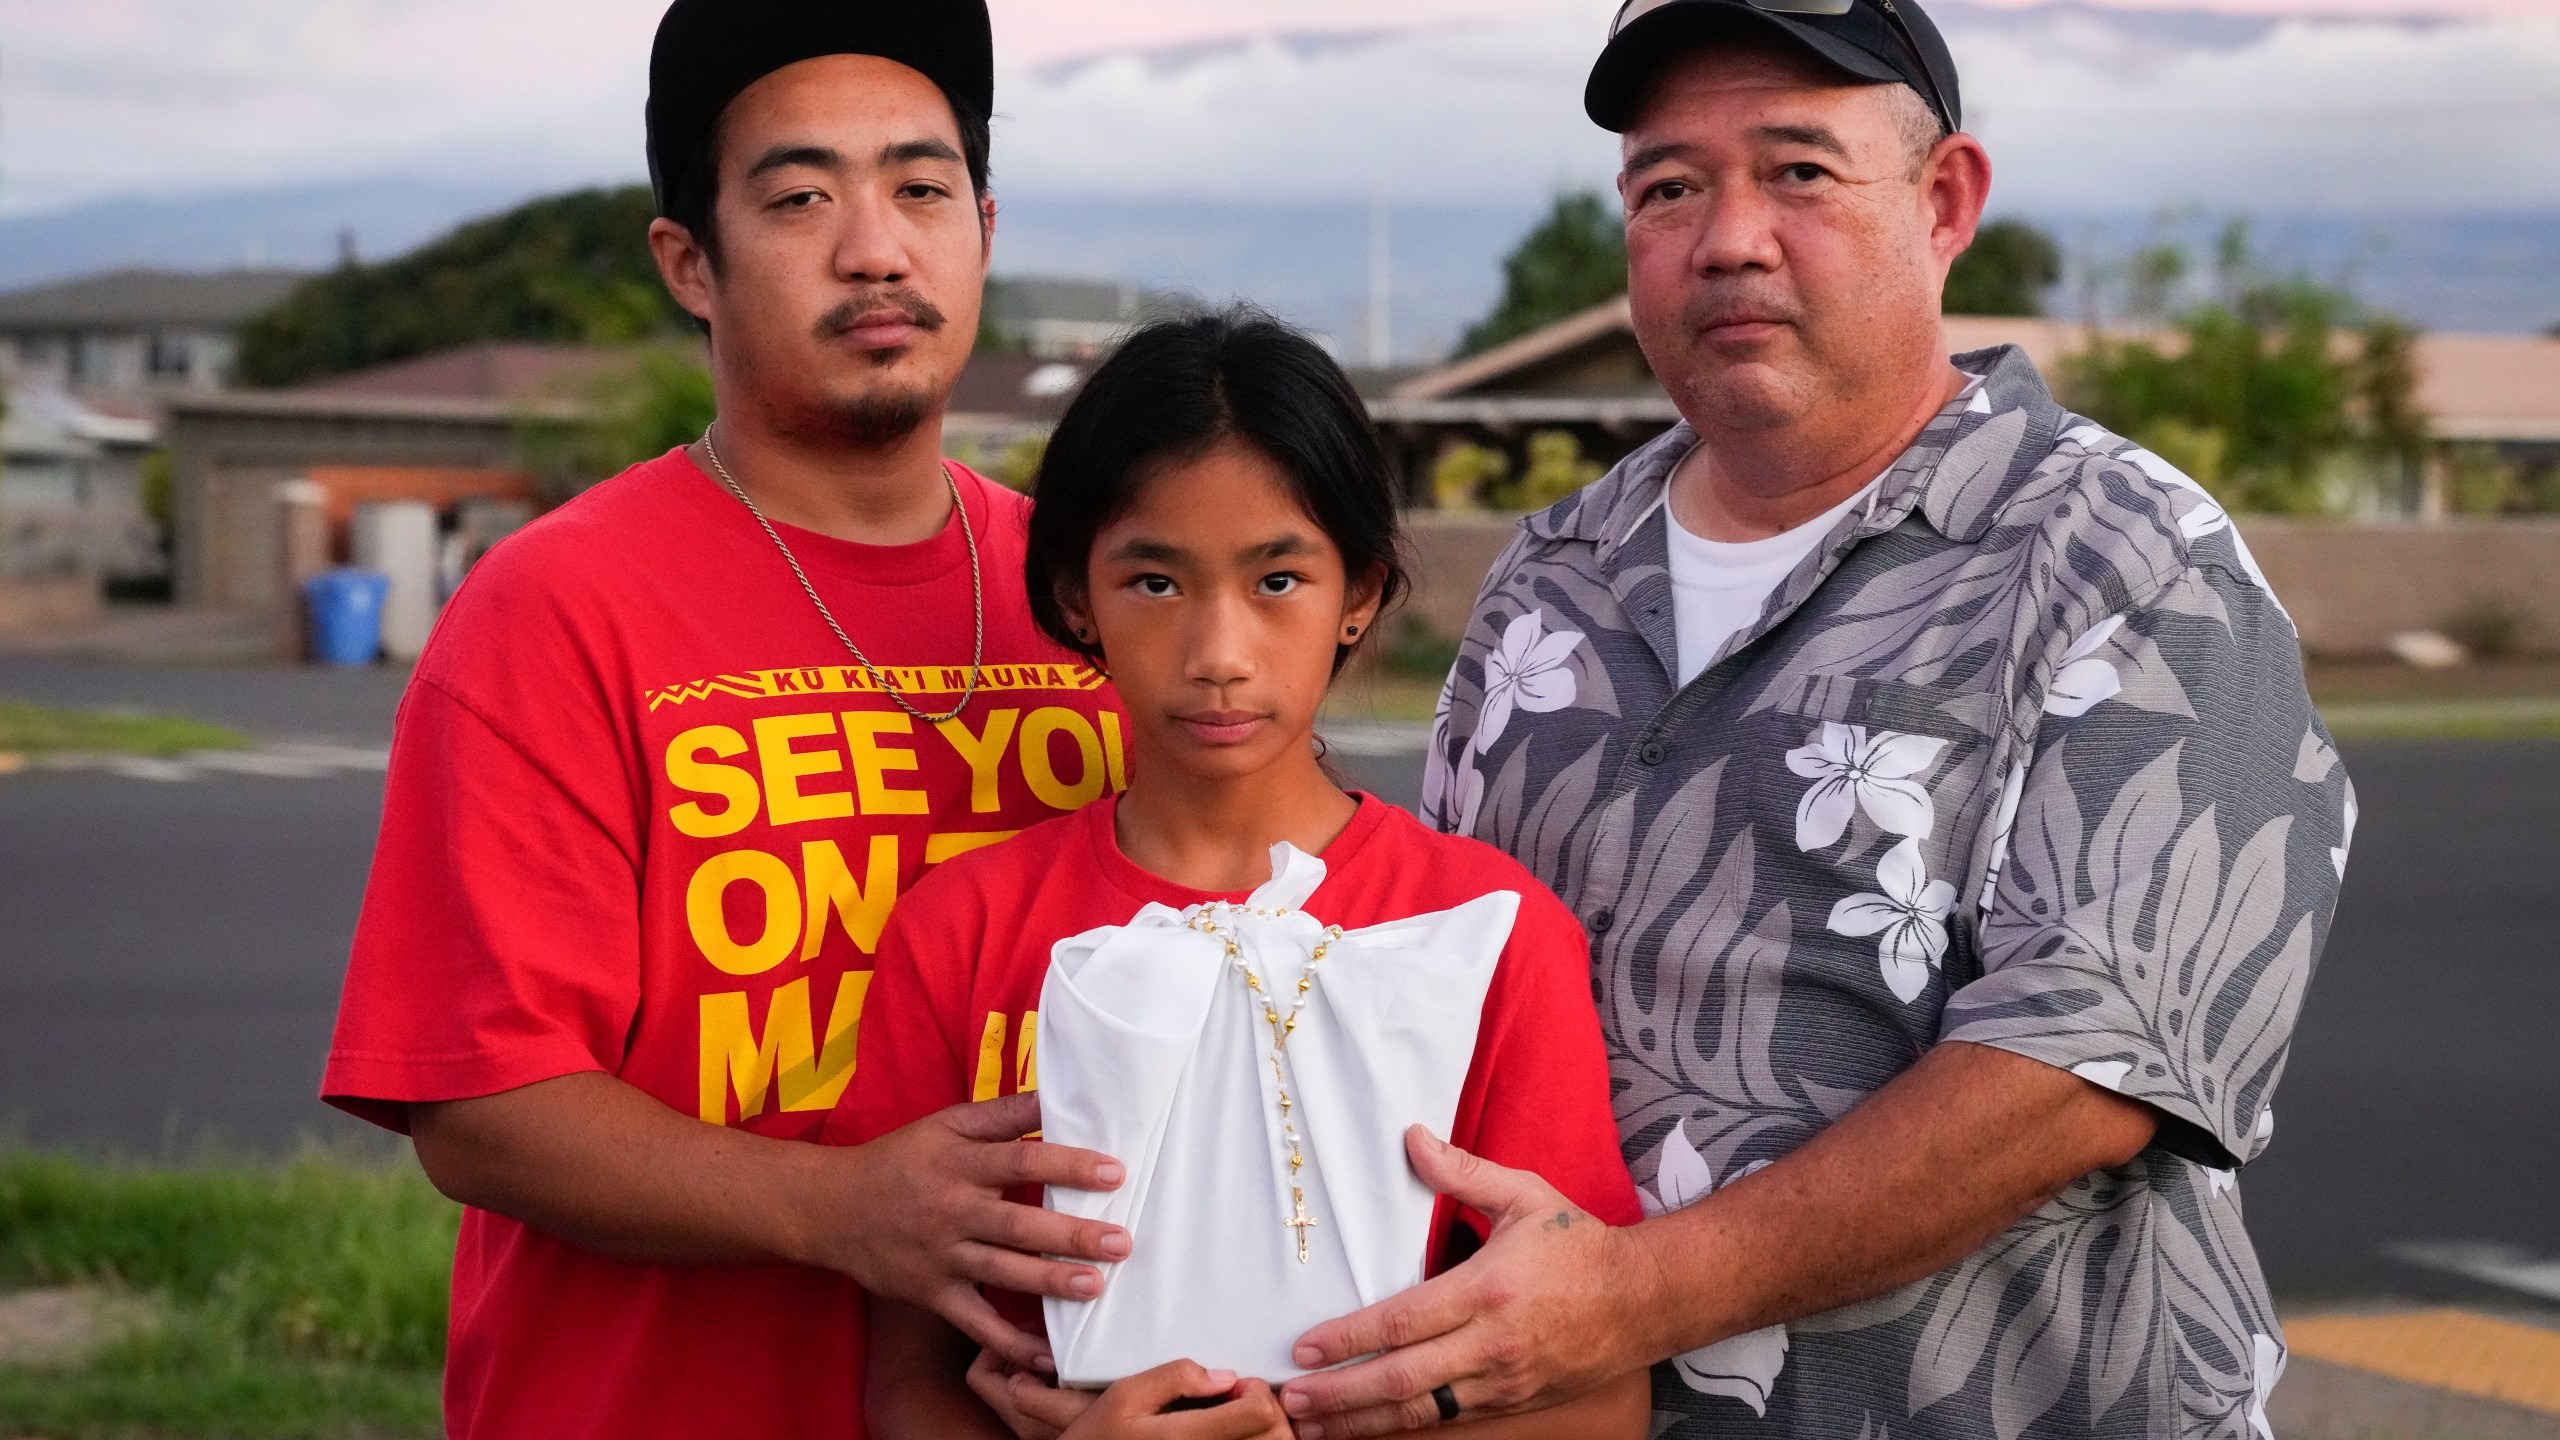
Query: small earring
[[1355, 632]]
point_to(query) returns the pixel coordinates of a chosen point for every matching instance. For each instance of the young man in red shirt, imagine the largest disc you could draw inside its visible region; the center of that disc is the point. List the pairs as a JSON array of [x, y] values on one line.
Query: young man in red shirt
[[673, 753]]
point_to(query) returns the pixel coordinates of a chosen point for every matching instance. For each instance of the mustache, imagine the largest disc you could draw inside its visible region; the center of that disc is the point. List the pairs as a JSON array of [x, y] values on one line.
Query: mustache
[[1729, 304], [917, 311]]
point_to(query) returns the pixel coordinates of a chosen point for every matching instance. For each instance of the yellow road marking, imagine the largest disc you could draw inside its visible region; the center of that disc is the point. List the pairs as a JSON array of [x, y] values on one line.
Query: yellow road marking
[[2448, 1349]]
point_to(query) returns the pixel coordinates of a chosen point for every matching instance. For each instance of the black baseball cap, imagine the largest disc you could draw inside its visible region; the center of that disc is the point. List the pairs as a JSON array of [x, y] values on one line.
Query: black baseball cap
[[708, 51], [1881, 41]]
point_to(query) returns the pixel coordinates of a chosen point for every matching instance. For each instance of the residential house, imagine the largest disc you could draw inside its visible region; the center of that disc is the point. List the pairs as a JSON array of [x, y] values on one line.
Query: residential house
[[71, 490], [134, 331], [1050, 318], [1586, 375], [447, 428]]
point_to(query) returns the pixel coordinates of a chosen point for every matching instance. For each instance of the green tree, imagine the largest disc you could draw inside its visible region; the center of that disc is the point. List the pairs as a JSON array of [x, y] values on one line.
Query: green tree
[[2276, 395], [993, 337], [1575, 259], [660, 399], [571, 268], [2006, 271]]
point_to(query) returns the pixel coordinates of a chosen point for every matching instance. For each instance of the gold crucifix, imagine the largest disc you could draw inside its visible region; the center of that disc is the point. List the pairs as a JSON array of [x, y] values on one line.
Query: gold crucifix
[[1299, 1220]]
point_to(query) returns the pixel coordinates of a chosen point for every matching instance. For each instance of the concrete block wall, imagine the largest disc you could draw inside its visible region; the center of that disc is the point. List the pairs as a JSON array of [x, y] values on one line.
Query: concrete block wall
[[28, 605], [2350, 587]]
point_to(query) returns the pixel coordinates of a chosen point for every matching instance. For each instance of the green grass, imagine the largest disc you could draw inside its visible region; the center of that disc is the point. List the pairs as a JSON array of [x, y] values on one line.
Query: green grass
[[2496, 718], [35, 730], [300, 1300], [1381, 695]]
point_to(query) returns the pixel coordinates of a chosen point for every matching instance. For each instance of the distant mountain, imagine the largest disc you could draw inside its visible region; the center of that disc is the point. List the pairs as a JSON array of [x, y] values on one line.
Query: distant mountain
[[296, 227], [2491, 273], [2410, 156], [1309, 260]]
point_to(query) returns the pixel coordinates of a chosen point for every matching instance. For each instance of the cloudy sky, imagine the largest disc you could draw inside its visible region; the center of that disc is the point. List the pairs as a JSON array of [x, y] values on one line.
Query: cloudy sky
[[2428, 105]]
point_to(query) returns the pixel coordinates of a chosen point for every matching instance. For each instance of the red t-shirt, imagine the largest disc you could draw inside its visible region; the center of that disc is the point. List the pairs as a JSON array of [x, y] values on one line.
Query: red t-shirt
[[646, 817], [954, 1012]]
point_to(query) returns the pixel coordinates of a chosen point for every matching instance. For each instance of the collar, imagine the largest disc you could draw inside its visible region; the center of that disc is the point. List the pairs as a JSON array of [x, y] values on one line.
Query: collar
[[1959, 473]]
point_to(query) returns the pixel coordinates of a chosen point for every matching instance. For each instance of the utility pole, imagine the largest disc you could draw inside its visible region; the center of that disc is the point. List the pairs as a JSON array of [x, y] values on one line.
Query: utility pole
[[1382, 279]]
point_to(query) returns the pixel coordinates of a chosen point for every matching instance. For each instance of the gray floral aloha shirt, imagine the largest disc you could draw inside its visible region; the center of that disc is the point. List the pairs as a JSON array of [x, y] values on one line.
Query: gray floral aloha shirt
[[2021, 756]]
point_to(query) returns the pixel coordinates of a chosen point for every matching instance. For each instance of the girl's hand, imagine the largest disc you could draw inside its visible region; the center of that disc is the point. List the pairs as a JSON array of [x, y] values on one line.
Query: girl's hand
[[992, 1379], [1134, 1409]]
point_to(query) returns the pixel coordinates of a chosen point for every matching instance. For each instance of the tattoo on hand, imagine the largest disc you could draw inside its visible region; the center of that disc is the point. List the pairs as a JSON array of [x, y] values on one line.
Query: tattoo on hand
[[1563, 1221]]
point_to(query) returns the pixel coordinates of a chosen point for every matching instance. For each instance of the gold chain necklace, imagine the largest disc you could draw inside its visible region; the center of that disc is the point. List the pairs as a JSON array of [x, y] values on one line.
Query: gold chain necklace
[[888, 686], [1282, 1027]]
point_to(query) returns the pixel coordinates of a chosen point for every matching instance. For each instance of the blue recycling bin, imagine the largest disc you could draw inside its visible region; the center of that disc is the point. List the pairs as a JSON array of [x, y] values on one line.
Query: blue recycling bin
[[346, 615]]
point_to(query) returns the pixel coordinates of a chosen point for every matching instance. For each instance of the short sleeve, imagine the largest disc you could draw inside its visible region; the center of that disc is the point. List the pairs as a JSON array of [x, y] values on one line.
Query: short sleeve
[[1540, 1079], [2174, 847], [907, 1055], [499, 943]]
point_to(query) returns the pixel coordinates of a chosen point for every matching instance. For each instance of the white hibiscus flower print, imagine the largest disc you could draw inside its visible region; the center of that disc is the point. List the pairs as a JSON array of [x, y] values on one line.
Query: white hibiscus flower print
[[1529, 671], [2267, 1368], [2206, 517], [1466, 792], [2315, 760], [1853, 770], [2004, 824], [1744, 1367], [2086, 678], [2105, 1074], [2346, 837], [1436, 770], [1910, 916]]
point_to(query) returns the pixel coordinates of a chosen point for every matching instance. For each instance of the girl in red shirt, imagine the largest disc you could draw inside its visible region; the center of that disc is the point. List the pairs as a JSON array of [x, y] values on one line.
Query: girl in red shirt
[[1217, 528]]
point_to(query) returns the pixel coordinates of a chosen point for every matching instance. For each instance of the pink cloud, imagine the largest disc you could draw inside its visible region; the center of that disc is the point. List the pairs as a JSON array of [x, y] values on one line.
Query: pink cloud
[[1060, 29], [1039, 30]]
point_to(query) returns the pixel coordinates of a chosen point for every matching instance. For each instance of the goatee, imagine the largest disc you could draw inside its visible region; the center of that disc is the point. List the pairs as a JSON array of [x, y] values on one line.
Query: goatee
[[876, 422]]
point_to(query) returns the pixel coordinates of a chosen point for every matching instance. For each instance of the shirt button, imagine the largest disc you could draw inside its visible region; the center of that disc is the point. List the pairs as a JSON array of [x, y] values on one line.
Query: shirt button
[[1652, 753], [1601, 920]]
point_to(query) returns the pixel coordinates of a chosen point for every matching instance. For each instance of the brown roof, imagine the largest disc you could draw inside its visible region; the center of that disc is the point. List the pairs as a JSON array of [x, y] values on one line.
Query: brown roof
[[1608, 318], [1005, 386], [2486, 387], [140, 299], [1018, 387], [500, 370]]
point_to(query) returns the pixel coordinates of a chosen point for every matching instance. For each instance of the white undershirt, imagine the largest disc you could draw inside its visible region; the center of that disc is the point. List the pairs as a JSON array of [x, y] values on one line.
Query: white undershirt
[[1719, 587]]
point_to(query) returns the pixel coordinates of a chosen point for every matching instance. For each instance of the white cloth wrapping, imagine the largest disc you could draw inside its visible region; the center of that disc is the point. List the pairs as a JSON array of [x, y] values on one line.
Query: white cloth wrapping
[[1153, 1051]]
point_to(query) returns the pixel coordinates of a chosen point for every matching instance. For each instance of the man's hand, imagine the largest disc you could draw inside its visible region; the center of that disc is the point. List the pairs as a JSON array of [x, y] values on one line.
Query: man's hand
[[1134, 1408], [1914, 1178], [916, 1215], [921, 1218], [1538, 1317]]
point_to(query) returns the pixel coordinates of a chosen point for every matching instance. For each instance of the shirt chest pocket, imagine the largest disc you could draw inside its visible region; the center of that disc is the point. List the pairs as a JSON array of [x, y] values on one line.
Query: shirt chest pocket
[[1870, 796]]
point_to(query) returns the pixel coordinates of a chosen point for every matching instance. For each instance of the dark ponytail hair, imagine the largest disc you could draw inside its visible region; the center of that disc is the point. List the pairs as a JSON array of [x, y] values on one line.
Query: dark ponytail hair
[[1181, 387]]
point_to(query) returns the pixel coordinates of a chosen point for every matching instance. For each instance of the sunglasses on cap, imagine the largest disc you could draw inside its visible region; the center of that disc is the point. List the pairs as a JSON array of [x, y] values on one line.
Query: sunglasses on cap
[[1635, 10]]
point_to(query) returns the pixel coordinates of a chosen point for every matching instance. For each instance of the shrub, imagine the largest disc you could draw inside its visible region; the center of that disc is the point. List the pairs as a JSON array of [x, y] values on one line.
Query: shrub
[[1467, 476]]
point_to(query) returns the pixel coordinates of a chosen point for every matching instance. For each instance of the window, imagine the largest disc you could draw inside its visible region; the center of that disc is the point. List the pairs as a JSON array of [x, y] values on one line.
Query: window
[[172, 357]]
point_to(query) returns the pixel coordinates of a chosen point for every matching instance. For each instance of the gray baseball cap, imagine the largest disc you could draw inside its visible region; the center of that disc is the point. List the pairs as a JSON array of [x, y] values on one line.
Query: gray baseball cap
[[1881, 41]]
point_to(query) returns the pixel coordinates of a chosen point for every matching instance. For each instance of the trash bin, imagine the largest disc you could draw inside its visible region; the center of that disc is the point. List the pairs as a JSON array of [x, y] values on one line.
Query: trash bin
[[346, 615]]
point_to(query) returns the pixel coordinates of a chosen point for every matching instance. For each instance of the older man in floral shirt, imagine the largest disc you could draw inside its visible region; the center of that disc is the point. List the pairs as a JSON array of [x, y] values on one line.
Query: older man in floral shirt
[[1951, 908]]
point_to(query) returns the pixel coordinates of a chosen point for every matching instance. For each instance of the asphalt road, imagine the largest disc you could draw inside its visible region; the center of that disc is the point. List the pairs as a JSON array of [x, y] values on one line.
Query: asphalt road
[[170, 956]]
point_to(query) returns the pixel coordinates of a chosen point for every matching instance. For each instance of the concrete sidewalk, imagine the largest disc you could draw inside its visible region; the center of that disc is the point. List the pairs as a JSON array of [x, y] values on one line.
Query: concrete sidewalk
[[154, 634]]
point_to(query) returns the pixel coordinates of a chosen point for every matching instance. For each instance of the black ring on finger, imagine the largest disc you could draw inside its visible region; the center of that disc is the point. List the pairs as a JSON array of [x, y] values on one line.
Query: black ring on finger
[[1447, 1400]]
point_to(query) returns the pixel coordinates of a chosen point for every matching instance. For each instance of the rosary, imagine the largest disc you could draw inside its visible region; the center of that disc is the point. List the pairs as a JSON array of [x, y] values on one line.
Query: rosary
[[1282, 1027]]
